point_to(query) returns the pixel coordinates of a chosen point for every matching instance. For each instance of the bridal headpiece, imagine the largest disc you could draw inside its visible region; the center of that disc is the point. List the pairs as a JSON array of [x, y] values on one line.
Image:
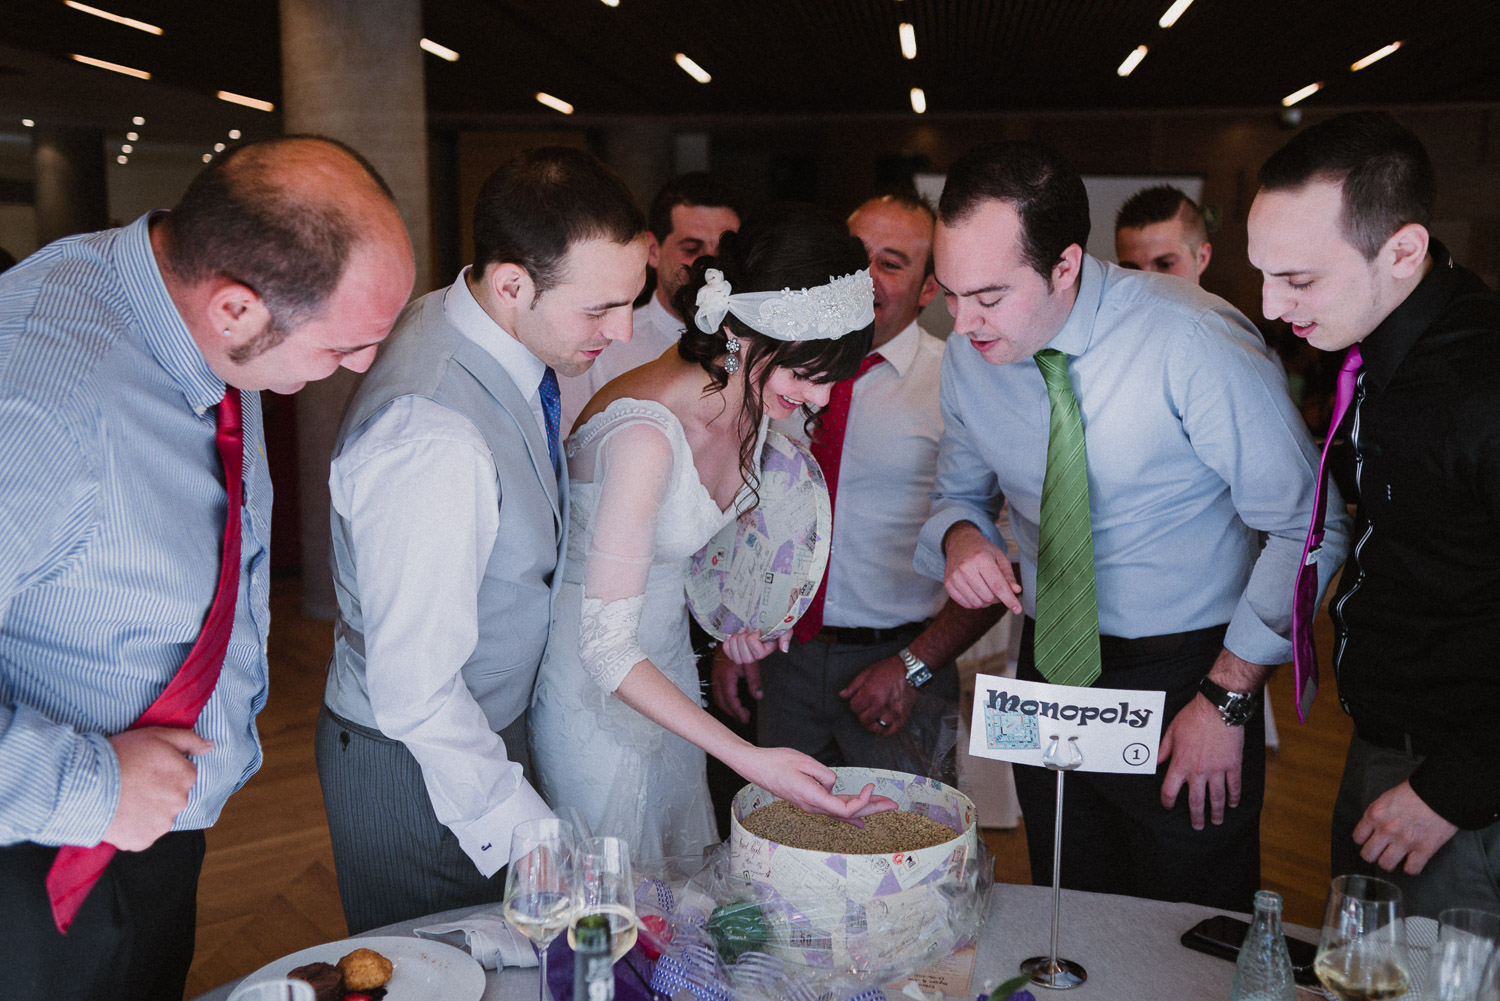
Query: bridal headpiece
[[842, 306]]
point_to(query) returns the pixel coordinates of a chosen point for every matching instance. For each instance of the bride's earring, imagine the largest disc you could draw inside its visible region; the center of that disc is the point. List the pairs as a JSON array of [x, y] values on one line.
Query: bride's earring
[[732, 360]]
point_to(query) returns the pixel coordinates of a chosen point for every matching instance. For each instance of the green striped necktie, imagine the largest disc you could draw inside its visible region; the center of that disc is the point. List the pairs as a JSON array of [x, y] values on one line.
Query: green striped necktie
[[1067, 609]]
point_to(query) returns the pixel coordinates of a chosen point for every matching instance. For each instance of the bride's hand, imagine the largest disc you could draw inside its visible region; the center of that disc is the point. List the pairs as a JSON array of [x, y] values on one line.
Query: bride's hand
[[747, 647], [806, 784]]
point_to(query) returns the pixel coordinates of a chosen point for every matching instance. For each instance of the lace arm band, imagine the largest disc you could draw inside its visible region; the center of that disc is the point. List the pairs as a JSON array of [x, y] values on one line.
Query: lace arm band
[[607, 639]]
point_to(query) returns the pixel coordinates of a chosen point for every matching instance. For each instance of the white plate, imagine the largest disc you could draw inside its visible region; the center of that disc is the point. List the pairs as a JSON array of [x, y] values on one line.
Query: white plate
[[423, 970]]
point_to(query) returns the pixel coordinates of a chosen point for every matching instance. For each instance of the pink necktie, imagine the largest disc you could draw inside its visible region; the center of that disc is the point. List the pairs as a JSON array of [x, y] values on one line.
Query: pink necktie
[[75, 870], [829, 451], [1305, 598]]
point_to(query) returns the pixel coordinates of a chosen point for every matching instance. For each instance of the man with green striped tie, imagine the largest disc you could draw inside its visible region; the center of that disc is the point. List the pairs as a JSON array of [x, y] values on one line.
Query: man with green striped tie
[[1146, 445]]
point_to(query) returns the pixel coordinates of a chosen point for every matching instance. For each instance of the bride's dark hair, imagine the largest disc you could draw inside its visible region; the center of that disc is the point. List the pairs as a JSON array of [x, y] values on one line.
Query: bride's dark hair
[[782, 246]]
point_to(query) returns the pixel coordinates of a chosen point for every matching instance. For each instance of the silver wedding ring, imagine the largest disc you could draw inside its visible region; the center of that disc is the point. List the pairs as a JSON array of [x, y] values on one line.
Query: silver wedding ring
[[884, 723]]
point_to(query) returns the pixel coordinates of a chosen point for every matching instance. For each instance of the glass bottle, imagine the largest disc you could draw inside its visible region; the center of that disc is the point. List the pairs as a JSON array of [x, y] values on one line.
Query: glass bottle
[[593, 967], [1264, 970]]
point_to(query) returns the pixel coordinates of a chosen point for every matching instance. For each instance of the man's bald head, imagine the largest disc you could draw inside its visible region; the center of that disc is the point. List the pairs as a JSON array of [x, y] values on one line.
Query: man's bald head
[[282, 217]]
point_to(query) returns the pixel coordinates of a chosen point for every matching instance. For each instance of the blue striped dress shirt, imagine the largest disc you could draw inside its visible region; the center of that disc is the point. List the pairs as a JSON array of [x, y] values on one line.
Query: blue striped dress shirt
[[112, 511]]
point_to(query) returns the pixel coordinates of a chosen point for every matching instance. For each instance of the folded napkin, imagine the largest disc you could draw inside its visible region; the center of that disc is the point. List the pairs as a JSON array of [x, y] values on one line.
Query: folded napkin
[[489, 938]]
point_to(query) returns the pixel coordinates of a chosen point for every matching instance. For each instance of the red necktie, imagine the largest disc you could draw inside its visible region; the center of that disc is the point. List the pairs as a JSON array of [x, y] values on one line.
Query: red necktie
[[829, 451], [1305, 597], [75, 870]]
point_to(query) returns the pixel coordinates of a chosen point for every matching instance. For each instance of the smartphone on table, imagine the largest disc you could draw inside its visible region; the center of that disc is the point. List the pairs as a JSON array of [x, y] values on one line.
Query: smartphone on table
[[1221, 936]]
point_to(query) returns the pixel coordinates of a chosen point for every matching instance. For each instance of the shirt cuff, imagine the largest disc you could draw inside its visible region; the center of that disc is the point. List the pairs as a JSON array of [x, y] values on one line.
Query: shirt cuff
[[929, 560], [487, 840], [87, 796], [1249, 638]]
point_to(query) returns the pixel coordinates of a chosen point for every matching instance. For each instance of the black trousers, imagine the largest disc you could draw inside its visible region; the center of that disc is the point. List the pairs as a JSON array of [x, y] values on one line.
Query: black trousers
[[1117, 838], [131, 941]]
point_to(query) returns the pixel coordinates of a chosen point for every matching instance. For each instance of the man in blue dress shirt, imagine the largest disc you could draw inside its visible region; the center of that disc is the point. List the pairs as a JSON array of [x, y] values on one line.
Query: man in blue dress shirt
[[283, 262], [1194, 450]]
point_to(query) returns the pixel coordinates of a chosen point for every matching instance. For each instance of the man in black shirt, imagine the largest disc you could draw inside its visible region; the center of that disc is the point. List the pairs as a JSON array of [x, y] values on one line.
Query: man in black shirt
[[1339, 232]]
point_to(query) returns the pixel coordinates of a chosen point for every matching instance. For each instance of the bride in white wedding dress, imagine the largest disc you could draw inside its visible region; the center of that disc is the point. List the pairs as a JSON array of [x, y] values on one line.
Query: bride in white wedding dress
[[661, 459]]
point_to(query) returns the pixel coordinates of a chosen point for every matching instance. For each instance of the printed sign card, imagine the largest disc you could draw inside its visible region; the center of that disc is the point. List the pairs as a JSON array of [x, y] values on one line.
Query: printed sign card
[[1117, 729]]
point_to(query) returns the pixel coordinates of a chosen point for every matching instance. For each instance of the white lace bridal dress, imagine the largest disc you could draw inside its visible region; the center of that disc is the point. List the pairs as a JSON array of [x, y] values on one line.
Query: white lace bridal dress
[[638, 511]]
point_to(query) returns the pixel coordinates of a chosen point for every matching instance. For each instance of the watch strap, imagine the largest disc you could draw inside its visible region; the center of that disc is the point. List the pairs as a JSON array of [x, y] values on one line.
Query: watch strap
[[917, 671]]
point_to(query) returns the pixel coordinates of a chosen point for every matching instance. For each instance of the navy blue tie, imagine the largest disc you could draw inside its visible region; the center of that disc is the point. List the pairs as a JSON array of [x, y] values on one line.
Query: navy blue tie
[[552, 410]]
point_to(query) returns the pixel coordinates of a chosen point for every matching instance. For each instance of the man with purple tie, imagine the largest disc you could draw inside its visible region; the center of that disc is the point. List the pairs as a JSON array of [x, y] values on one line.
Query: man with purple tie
[[1339, 231]]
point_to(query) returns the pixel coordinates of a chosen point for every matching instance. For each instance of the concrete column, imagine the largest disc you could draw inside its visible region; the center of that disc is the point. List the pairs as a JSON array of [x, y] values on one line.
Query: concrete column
[[352, 70], [71, 192]]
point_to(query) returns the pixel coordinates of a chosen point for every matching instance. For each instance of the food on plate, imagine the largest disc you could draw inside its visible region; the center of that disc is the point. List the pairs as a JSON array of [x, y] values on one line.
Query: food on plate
[[327, 982], [364, 970]]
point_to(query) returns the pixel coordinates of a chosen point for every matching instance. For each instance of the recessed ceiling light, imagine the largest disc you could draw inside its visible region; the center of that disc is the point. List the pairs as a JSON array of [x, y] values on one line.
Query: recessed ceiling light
[[441, 51], [1376, 56], [692, 69], [113, 67], [234, 133], [555, 103], [137, 120], [127, 148], [918, 101], [908, 40], [1132, 61], [218, 147], [248, 102], [611, 3], [132, 136], [1298, 95], [1174, 12], [129, 22], [122, 159], [29, 123], [207, 157]]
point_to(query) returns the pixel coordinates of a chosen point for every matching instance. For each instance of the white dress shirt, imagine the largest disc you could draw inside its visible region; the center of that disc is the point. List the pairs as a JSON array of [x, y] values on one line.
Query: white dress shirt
[[653, 330], [885, 488], [420, 481]]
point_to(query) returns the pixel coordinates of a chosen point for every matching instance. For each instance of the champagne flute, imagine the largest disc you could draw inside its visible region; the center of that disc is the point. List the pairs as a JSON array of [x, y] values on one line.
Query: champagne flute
[[539, 884], [1466, 940], [604, 884], [1362, 950]]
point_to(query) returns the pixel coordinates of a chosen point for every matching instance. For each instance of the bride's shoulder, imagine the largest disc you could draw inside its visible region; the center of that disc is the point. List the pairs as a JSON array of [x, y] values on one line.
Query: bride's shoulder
[[628, 418]]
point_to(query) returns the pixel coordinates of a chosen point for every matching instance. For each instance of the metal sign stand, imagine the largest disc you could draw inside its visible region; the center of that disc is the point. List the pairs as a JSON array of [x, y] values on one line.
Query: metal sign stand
[[1050, 971]]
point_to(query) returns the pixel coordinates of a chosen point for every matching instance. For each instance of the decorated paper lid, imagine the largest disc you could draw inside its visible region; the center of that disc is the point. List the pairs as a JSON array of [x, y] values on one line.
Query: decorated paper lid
[[762, 569]]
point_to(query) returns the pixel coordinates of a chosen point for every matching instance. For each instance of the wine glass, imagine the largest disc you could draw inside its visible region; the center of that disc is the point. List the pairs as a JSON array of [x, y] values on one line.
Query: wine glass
[[604, 884], [539, 884], [1362, 950], [1466, 940]]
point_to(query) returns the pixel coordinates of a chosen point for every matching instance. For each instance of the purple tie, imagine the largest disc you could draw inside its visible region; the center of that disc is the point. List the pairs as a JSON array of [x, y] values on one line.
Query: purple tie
[[1305, 599]]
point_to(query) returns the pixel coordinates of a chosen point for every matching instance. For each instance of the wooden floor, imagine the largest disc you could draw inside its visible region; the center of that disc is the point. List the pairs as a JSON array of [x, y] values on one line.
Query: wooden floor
[[268, 885]]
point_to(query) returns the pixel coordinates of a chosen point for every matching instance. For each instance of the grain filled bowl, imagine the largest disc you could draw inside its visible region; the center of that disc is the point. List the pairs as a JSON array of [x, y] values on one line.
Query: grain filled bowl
[[869, 911]]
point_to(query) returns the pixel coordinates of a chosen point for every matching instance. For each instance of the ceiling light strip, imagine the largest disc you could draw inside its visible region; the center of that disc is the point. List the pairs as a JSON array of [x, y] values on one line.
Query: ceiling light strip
[[248, 102], [918, 101], [908, 40], [1174, 12], [1376, 56], [692, 69], [128, 22], [1132, 61], [112, 67], [1299, 95], [555, 103], [441, 51]]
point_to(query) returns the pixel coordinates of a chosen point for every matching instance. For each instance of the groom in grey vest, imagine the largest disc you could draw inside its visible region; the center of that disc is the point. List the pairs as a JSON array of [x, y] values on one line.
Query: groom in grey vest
[[449, 511]]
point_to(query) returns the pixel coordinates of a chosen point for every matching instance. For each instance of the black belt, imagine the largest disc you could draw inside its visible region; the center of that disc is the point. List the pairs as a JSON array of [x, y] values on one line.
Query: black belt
[[860, 636], [1397, 740], [1156, 646]]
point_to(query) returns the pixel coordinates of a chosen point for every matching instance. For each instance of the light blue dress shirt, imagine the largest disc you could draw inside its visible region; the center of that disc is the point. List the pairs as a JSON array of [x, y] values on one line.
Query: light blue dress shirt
[[1194, 451], [112, 511]]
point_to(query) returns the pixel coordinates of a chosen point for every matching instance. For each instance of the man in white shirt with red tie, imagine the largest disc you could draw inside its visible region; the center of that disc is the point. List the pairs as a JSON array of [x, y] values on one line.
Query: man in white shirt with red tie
[[869, 678]]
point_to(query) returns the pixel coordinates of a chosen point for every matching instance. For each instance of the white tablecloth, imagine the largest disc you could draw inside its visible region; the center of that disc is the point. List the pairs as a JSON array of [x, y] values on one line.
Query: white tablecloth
[[1129, 947]]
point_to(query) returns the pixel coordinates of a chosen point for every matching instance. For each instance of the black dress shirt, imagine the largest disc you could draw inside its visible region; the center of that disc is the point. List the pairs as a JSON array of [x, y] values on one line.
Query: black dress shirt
[[1417, 612]]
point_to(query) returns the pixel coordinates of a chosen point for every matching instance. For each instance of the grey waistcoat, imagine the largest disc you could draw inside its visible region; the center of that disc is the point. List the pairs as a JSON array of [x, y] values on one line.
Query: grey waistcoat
[[429, 357]]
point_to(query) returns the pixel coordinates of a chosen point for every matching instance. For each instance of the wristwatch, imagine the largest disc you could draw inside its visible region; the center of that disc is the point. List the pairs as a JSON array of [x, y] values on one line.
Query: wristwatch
[[1235, 708], [917, 671]]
